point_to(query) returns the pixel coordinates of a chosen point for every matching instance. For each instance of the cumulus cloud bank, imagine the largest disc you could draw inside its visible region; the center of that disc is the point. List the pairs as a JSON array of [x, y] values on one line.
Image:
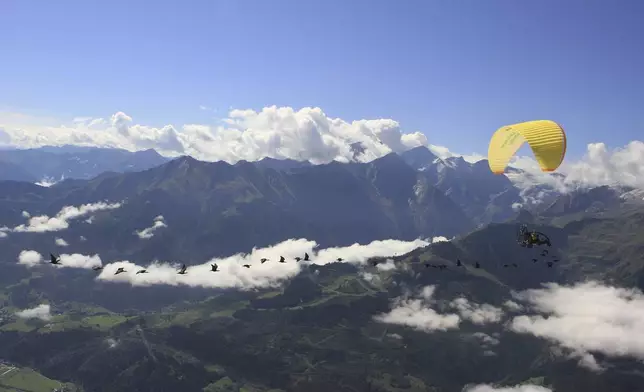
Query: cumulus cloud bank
[[42, 312], [305, 134], [148, 232], [44, 223], [418, 313], [276, 132], [585, 318], [599, 166], [231, 272]]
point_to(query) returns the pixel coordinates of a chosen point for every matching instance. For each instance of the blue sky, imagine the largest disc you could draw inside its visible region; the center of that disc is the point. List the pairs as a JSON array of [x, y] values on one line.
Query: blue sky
[[456, 70]]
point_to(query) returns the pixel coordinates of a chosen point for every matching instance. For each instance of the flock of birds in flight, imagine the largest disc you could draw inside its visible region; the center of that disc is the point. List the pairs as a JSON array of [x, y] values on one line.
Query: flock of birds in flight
[[55, 260], [544, 253]]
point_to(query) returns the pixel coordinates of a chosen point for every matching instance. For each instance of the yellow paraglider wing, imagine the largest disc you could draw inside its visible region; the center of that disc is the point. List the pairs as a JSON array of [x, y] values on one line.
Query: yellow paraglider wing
[[546, 138]]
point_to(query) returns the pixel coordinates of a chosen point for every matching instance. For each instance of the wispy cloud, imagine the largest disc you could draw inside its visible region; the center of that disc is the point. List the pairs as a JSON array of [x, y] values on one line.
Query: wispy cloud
[[417, 311], [42, 312], [148, 232], [477, 313], [44, 223]]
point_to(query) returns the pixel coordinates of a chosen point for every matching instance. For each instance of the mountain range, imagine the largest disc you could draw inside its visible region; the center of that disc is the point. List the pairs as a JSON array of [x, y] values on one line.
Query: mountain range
[[57, 163], [317, 331]]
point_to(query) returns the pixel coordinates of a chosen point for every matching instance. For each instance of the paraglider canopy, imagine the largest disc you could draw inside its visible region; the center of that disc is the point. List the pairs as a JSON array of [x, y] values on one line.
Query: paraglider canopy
[[546, 139]]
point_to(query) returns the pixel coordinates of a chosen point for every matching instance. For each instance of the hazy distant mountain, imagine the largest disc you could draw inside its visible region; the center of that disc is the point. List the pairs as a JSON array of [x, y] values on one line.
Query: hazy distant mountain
[[484, 196], [56, 163]]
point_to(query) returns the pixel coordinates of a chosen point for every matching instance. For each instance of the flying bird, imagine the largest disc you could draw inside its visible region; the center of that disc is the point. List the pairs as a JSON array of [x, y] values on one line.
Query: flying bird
[[246, 266], [53, 259], [340, 259], [306, 257], [183, 269], [282, 260], [214, 267], [374, 263], [97, 268], [142, 272], [298, 259], [458, 263], [120, 271], [477, 265], [264, 260]]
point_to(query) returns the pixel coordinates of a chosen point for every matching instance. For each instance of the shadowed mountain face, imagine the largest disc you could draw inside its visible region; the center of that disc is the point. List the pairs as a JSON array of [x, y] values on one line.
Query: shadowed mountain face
[[56, 163], [217, 209]]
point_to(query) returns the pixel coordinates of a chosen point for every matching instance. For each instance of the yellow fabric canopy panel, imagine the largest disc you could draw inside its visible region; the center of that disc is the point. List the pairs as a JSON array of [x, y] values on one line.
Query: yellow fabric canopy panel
[[546, 139]]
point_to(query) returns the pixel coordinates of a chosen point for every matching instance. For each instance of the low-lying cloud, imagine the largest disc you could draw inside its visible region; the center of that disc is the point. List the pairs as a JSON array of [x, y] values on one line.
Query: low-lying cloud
[[44, 223], [585, 318], [418, 313], [148, 232], [231, 271], [61, 242], [517, 388], [31, 258], [42, 312]]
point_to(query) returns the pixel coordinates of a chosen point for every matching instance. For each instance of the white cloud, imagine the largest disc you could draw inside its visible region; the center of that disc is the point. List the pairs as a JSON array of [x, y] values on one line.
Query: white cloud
[[26, 215], [29, 258], [232, 274], [61, 242], [46, 182], [305, 134], [32, 258], [79, 261], [43, 223], [277, 132], [512, 306], [517, 388], [82, 238], [599, 166], [388, 265], [585, 318], [485, 339], [148, 232], [42, 312], [3, 231], [417, 314], [477, 313]]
